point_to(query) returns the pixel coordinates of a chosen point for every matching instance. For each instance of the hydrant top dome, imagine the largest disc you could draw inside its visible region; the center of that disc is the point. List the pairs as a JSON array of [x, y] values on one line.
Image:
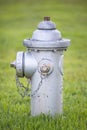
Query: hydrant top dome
[[46, 24], [46, 31]]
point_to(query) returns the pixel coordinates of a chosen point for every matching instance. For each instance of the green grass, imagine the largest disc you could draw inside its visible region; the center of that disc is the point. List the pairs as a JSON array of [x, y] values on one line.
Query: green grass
[[18, 19]]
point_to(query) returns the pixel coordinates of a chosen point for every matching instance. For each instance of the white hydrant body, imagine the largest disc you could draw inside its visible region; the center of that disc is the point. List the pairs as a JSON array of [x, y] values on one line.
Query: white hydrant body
[[42, 64]]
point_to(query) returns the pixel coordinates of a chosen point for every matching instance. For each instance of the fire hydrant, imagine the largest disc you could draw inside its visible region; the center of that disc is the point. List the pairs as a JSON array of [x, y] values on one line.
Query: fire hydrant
[[42, 65]]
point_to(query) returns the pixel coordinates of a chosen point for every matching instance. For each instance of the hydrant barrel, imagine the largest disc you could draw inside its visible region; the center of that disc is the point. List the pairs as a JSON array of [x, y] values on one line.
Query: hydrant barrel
[[42, 64]]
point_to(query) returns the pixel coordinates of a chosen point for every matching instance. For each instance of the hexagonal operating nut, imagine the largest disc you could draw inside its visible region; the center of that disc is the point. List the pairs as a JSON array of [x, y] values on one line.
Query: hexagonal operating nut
[[13, 64]]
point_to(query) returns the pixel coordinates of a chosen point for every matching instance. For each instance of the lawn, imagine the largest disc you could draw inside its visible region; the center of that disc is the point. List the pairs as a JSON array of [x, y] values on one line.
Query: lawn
[[18, 19]]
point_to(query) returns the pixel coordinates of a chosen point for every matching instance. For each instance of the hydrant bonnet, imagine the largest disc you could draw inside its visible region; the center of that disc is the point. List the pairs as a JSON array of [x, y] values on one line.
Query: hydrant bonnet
[[46, 31], [47, 37]]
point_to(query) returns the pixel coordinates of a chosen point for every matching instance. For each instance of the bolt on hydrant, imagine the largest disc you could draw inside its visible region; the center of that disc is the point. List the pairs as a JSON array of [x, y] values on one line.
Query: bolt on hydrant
[[42, 65]]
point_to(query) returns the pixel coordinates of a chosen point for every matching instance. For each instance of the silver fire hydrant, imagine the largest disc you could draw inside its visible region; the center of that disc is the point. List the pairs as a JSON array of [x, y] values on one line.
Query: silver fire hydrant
[[42, 65]]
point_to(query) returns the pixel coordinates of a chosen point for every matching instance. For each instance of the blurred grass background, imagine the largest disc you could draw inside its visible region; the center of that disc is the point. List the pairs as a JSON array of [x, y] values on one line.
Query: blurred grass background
[[18, 19]]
